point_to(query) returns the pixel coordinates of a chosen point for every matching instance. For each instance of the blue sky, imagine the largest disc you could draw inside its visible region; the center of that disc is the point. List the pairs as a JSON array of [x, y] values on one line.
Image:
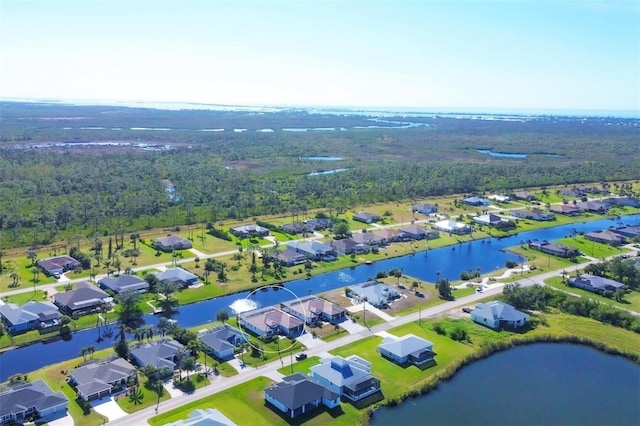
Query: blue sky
[[481, 54]]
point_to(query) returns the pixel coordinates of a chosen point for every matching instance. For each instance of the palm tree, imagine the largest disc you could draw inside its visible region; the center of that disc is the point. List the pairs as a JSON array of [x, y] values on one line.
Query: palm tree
[[15, 278], [136, 396], [222, 315], [188, 364], [163, 326]]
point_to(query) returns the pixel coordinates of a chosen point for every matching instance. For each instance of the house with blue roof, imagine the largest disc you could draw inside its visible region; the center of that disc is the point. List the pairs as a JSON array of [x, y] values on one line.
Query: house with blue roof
[[350, 377], [32, 315], [221, 341], [496, 314], [30, 399], [375, 293], [204, 417], [476, 201], [163, 354], [409, 349]]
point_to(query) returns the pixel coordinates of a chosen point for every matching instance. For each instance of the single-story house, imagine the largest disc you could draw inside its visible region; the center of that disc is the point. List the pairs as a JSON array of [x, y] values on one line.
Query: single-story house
[[170, 243], [290, 257], [606, 237], [375, 293], [246, 231], [178, 276], [497, 314], [163, 353], [85, 299], [409, 349], [204, 417], [366, 217], [533, 214], [555, 249], [525, 196], [488, 219], [350, 377], [628, 231], [388, 235], [296, 228], [424, 208], [314, 250], [593, 206], [35, 398], [32, 315], [500, 198], [312, 310], [453, 227], [54, 266], [221, 341], [476, 201], [565, 209], [123, 284], [368, 238], [349, 246], [270, 322], [595, 283], [622, 201], [93, 381], [416, 232], [298, 394], [318, 223]]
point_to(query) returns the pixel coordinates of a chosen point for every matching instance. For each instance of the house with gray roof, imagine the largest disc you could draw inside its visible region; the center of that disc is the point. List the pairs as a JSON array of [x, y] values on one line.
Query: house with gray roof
[[54, 266], [298, 394], [632, 231], [177, 276], [565, 209], [221, 341], [290, 257], [368, 238], [533, 214], [555, 249], [269, 322], [606, 237], [314, 250], [416, 232], [314, 310], [124, 283], [593, 206], [424, 208], [476, 201], [93, 381], [409, 349], [32, 315], [85, 299], [246, 231], [496, 314], [489, 219], [37, 399], [389, 235], [350, 377], [204, 417], [171, 243], [453, 227], [375, 293], [595, 283], [366, 217], [163, 353]]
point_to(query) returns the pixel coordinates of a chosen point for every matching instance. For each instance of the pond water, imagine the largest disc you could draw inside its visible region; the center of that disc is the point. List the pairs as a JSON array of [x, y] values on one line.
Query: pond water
[[486, 255], [539, 384], [501, 154]]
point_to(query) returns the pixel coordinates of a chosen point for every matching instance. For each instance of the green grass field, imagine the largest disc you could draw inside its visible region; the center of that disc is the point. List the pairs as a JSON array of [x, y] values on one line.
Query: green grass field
[[630, 301]]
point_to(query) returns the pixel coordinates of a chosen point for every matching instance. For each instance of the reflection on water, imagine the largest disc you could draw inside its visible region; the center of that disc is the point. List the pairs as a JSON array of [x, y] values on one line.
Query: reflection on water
[[243, 305]]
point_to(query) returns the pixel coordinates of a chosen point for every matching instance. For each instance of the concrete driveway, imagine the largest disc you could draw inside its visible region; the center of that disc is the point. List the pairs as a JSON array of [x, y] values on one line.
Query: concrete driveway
[[108, 407]]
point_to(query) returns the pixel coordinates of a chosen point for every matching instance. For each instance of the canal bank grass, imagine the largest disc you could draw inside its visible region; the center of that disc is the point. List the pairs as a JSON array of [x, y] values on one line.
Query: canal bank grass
[[631, 299], [543, 262], [592, 248]]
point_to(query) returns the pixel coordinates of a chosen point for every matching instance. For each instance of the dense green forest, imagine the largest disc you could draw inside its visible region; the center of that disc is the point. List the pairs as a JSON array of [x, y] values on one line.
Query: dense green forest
[[54, 183]]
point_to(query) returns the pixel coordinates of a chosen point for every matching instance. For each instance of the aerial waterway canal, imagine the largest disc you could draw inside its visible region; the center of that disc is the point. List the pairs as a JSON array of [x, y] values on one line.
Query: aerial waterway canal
[[487, 255]]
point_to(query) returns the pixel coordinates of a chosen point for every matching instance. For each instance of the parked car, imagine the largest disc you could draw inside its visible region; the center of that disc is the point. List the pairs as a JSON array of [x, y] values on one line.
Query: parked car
[[301, 356]]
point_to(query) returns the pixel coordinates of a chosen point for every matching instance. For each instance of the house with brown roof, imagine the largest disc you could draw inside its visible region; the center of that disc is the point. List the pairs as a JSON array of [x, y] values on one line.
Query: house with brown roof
[[348, 246], [269, 322], [555, 249], [416, 232], [594, 206], [313, 310], [565, 209], [606, 237]]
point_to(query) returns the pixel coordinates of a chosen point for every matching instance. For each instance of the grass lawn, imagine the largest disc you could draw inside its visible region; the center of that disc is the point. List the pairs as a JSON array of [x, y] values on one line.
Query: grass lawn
[[21, 266], [543, 262], [22, 298], [631, 300], [147, 398], [592, 248]]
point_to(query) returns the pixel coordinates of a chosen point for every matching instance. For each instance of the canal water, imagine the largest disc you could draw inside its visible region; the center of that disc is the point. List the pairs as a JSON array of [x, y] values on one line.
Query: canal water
[[539, 384], [486, 255]]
